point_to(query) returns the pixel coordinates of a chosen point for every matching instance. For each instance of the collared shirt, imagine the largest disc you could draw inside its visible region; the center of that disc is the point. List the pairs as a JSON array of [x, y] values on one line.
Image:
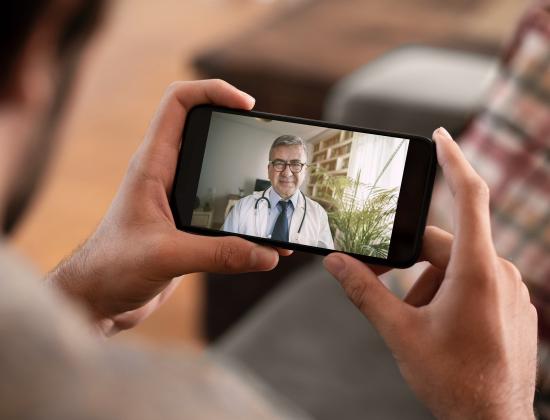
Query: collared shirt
[[274, 199]]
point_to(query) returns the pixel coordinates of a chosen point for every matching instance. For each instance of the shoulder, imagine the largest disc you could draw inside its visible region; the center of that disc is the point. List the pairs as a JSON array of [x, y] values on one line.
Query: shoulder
[[249, 198], [242, 206]]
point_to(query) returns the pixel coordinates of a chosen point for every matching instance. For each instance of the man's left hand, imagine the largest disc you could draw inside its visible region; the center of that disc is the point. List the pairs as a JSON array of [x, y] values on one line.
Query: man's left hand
[[126, 269]]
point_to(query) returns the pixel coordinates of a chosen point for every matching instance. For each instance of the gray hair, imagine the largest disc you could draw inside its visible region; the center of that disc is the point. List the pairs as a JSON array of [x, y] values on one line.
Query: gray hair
[[288, 140]]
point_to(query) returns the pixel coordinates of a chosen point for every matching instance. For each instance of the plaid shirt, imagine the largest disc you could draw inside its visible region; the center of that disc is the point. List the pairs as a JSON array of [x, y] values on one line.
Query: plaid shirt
[[508, 143]]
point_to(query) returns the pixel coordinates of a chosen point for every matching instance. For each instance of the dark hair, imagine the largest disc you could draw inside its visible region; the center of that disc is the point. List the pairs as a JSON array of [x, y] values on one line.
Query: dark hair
[[18, 18]]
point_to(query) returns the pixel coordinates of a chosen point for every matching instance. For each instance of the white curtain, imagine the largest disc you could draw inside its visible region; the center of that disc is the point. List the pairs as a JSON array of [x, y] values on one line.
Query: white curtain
[[377, 161]]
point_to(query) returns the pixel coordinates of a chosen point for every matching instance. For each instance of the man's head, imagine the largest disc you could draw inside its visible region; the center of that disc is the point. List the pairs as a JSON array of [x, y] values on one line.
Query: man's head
[[286, 168], [39, 49]]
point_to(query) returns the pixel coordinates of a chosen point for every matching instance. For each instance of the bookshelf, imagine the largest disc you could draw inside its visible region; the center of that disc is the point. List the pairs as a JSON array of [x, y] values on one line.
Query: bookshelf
[[332, 153]]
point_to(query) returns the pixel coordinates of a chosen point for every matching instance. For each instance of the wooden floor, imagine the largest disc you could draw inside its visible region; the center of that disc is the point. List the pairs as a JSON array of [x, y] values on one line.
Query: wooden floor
[[142, 47]]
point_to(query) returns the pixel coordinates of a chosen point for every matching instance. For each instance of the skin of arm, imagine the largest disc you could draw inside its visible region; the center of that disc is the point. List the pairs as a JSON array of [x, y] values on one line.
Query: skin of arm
[[465, 336]]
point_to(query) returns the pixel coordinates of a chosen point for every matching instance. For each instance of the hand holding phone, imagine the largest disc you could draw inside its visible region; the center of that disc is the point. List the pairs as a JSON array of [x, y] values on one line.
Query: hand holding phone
[[465, 336], [305, 185], [126, 269]]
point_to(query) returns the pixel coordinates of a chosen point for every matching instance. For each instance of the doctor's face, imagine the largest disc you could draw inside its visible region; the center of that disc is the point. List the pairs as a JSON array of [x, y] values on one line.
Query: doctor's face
[[286, 182]]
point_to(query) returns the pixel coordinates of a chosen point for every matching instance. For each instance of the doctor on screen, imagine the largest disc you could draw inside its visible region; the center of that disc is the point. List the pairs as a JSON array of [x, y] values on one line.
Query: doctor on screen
[[282, 212]]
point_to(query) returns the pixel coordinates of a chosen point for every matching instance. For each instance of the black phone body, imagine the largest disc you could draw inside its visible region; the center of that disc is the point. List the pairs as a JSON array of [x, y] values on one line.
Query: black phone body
[[373, 187]]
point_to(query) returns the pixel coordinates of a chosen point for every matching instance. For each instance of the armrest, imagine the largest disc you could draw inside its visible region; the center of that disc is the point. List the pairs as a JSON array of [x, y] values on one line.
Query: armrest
[[310, 344]]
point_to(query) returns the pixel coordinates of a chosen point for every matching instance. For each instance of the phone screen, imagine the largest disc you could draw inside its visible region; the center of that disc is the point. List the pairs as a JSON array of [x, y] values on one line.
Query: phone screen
[[303, 184]]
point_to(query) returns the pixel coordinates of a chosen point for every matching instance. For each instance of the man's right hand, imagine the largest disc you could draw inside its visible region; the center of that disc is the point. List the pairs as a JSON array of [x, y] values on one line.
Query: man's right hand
[[465, 338]]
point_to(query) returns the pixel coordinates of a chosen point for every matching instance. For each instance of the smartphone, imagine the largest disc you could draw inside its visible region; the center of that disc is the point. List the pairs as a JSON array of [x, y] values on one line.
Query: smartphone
[[304, 185]]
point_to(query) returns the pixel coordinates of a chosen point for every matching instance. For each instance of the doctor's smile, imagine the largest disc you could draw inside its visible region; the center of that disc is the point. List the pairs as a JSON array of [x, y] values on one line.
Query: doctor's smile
[[283, 212]]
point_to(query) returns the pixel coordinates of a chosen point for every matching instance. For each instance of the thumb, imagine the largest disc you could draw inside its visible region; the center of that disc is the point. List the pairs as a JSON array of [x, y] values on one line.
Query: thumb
[[385, 311], [229, 254]]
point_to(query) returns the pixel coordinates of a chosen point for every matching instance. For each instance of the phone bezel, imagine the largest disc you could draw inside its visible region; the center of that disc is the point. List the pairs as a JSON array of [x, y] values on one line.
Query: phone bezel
[[412, 206]]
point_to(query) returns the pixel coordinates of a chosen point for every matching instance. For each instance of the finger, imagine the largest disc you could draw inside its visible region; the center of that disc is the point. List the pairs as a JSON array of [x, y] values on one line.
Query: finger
[[385, 311], [425, 288], [162, 141], [514, 277], [284, 252], [166, 293], [379, 269], [471, 202], [180, 97], [129, 319], [186, 253], [436, 247]]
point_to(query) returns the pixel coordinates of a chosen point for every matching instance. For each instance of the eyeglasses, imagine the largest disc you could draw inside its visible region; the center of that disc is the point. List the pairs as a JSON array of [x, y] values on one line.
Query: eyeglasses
[[280, 165]]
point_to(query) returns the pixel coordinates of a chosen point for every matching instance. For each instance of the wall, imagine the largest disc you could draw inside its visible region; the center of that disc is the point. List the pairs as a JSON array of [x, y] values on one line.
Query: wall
[[236, 154], [237, 151]]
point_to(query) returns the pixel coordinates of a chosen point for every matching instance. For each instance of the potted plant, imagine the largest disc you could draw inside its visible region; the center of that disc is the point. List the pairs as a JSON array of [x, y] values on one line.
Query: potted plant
[[361, 216]]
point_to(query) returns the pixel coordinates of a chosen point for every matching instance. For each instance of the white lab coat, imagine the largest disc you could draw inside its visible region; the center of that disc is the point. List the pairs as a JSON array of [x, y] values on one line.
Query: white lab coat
[[244, 219]]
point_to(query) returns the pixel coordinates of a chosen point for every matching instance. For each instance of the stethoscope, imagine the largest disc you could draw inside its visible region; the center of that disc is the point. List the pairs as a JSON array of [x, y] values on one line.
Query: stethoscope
[[263, 197]]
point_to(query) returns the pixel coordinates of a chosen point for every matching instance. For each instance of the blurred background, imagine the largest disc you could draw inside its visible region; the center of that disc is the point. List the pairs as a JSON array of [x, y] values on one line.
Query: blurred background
[[288, 53]]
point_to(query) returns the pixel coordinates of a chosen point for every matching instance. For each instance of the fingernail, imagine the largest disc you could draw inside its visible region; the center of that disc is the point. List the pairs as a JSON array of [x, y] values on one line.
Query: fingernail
[[259, 255], [444, 133], [250, 97], [334, 264]]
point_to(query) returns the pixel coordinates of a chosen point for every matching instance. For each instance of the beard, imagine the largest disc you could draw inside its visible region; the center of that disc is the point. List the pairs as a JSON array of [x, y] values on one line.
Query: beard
[[27, 181], [30, 174]]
